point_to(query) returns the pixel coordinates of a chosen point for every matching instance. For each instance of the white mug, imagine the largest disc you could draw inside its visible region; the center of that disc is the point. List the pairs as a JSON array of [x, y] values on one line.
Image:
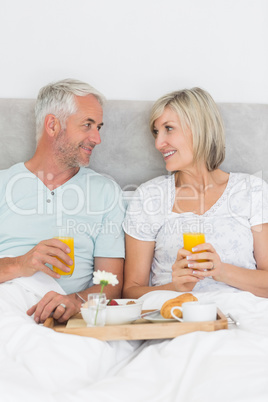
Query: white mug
[[196, 311]]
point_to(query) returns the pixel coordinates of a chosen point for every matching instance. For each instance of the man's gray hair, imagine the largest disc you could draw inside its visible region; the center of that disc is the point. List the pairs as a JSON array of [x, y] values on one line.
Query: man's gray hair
[[58, 98]]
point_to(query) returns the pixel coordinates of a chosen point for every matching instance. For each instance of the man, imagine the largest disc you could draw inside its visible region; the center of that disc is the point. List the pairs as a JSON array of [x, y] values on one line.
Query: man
[[54, 190]]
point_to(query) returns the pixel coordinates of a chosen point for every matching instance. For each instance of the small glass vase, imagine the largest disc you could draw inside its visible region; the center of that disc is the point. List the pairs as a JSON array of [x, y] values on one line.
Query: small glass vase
[[96, 309]]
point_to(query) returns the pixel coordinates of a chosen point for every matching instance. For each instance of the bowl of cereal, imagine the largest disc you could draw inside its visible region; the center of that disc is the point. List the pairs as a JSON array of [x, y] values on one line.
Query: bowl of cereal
[[124, 312]]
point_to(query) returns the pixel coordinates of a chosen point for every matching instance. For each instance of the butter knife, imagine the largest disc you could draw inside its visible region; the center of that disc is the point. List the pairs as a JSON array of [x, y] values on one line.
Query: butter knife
[[149, 313]]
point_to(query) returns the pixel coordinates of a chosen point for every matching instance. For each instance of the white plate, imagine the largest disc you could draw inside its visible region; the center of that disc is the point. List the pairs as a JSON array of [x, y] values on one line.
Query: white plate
[[157, 317]]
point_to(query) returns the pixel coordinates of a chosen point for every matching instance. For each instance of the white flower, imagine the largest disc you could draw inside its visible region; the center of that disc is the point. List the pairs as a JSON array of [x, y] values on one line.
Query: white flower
[[104, 278]]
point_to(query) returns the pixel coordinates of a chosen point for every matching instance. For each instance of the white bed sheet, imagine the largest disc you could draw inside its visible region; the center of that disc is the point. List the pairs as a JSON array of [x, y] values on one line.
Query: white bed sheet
[[38, 364]]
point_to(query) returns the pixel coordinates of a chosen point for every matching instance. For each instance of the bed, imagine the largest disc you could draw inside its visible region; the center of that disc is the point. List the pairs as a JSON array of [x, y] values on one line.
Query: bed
[[39, 364]]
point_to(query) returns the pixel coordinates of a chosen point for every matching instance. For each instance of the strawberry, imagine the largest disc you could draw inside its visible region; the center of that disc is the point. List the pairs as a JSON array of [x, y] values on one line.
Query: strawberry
[[112, 302]]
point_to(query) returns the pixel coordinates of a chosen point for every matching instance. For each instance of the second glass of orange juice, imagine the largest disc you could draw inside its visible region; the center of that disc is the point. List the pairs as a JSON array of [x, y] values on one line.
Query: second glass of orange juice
[[69, 241], [191, 240]]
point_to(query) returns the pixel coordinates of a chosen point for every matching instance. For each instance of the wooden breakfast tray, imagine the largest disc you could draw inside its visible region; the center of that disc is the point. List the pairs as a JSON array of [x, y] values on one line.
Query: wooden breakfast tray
[[139, 330]]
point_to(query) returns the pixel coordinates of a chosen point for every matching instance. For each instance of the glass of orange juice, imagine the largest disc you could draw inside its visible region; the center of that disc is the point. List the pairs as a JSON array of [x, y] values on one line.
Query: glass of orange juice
[[191, 240], [69, 241]]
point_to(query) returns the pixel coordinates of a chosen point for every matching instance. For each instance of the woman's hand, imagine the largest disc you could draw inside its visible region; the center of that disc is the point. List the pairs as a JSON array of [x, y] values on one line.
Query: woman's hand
[[213, 265], [183, 277]]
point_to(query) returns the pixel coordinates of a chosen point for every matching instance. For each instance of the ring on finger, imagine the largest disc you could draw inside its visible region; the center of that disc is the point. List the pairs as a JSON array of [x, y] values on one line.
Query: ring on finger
[[63, 305]]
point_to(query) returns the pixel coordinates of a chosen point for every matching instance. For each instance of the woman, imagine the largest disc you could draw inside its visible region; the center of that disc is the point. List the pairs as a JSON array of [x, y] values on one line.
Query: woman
[[230, 208]]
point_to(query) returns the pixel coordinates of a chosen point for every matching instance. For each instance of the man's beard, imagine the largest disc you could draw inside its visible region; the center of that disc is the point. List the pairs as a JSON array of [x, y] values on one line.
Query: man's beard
[[69, 154]]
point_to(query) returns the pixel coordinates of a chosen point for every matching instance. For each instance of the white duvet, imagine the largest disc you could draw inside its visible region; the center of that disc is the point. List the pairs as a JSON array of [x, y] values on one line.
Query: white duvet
[[38, 364]]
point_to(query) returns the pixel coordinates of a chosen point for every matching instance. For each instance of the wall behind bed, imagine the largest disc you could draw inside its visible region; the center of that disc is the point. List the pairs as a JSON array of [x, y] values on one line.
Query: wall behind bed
[[136, 50]]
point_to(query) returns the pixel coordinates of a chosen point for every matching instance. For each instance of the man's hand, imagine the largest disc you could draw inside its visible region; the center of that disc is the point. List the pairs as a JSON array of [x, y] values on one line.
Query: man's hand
[[43, 253], [58, 306]]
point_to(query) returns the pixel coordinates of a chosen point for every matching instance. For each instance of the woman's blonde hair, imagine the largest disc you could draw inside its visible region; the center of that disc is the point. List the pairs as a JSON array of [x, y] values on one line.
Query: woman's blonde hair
[[198, 111]]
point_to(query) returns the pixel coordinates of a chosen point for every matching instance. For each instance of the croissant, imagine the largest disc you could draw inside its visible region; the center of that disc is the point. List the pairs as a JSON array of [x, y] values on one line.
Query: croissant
[[177, 301]]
